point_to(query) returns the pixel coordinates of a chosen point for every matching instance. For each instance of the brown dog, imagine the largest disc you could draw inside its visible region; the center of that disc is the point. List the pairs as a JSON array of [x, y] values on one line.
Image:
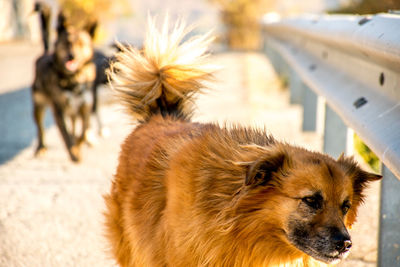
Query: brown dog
[[64, 81], [192, 194]]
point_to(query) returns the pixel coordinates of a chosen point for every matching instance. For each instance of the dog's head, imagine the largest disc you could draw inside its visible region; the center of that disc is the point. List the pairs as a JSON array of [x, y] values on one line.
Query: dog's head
[[308, 198], [73, 47]]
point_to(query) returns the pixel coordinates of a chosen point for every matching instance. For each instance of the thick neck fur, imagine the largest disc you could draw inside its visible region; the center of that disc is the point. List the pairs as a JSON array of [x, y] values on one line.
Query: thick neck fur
[[262, 252]]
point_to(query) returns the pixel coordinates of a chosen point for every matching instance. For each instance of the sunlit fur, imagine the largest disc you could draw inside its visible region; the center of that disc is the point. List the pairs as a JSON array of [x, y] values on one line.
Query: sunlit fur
[[194, 194], [163, 70]]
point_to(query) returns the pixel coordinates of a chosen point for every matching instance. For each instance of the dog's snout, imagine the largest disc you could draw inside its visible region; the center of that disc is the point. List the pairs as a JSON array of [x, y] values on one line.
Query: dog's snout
[[343, 246], [342, 240], [70, 56], [347, 245]]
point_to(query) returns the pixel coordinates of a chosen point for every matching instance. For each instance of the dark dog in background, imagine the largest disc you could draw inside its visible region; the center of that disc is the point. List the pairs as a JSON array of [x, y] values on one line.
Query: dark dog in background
[[64, 80]]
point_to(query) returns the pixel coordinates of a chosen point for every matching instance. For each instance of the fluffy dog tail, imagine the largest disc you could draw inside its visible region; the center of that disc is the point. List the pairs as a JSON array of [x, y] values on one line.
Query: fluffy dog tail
[[45, 15], [163, 77]]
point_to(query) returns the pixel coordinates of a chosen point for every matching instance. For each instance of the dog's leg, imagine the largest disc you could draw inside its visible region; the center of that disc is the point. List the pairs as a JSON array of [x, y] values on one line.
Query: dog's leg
[[73, 126], [87, 134], [38, 115], [94, 107], [69, 140], [102, 131]]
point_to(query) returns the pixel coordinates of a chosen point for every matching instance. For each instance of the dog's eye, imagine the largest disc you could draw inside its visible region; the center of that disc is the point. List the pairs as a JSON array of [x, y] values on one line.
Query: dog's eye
[[314, 202], [346, 206]]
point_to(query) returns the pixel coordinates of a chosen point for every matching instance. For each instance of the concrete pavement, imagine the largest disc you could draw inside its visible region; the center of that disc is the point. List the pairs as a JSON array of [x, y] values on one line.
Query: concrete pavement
[[51, 209]]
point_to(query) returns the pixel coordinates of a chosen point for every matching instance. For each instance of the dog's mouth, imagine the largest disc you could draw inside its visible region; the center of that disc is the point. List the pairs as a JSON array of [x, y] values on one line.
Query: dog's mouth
[[71, 65], [328, 258], [331, 258]]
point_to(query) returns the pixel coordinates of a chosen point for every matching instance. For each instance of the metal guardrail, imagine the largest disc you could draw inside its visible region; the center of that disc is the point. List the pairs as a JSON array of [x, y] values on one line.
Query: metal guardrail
[[352, 64]]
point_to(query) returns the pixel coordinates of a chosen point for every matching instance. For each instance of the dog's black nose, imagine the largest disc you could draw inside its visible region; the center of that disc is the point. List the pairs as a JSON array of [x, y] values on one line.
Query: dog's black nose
[[341, 239], [70, 56], [343, 245]]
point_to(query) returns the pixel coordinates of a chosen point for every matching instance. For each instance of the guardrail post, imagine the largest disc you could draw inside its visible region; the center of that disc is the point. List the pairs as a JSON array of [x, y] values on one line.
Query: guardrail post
[[389, 220], [296, 87], [278, 62], [310, 103], [275, 58], [335, 134]]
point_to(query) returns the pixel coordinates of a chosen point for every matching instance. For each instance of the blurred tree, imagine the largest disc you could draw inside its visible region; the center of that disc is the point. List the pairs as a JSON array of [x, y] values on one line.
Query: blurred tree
[[242, 21], [369, 6], [81, 12]]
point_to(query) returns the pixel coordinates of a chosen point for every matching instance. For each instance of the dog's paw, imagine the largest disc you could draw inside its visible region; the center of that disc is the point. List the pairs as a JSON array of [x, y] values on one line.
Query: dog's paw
[[40, 151], [105, 132], [91, 138], [75, 154]]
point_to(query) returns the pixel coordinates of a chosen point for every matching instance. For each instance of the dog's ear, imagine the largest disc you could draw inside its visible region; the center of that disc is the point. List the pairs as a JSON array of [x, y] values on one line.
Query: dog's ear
[[91, 27], [360, 179], [61, 23], [261, 171], [352, 169]]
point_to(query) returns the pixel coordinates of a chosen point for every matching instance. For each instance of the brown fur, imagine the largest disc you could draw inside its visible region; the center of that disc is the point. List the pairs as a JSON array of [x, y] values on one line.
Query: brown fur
[[64, 81], [191, 194]]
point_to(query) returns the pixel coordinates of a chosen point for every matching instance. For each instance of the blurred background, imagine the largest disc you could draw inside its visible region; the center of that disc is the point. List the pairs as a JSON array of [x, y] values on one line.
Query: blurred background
[[235, 20], [50, 208]]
